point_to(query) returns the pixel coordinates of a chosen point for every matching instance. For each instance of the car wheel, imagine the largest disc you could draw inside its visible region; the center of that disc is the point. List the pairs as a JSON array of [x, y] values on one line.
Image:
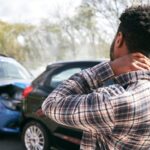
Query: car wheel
[[35, 136]]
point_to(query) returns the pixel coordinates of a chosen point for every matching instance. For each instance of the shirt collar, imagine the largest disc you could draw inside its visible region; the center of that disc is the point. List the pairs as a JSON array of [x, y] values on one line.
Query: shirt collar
[[131, 77]]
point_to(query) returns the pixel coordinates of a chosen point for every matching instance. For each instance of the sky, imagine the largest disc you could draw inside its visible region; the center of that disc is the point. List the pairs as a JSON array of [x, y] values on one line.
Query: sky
[[32, 11]]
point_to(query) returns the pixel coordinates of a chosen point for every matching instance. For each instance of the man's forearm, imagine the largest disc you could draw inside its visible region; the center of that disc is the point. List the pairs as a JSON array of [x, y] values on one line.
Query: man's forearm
[[70, 101]]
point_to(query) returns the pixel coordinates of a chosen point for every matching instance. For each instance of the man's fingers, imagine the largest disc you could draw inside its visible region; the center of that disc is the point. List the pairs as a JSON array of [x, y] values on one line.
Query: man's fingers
[[130, 62], [144, 61], [137, 55], [141, 66]]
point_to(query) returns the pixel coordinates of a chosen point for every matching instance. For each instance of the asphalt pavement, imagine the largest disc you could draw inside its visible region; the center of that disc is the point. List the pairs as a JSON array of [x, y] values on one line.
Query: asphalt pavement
[[10, 142], [13, 142]]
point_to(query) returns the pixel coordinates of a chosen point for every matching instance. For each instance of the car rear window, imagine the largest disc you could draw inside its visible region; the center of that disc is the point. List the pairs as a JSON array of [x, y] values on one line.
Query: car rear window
[[63, 75]]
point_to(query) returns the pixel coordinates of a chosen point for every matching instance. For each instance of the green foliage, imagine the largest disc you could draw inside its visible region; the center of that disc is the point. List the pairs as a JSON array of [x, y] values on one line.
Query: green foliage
[[8, 39]]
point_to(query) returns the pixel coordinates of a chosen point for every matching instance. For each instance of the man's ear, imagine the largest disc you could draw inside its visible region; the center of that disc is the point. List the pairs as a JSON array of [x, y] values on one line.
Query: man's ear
[[119, 40]]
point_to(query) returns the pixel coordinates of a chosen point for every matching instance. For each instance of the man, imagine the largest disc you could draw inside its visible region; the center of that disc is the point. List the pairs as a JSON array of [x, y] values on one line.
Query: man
[[116, 117]]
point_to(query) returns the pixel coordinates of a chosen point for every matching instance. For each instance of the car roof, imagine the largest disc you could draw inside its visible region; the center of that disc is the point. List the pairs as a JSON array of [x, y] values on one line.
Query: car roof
[[6, 58], [74, 62]]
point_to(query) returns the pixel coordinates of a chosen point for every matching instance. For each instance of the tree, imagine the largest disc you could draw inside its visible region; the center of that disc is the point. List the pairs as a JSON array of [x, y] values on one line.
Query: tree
[[9, 44], [110, 10]]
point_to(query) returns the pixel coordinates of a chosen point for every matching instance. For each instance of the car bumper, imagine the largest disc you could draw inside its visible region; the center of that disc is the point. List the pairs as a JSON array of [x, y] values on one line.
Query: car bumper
[[9, 120]]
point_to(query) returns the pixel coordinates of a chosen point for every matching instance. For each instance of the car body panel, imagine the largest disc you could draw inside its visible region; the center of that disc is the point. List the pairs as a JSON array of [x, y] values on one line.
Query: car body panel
[[19, 83], [9, 120], [10, 96]]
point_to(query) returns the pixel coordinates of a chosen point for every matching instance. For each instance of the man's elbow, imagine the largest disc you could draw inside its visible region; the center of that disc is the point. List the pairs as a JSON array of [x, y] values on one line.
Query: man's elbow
[[45, 107], [48, 106]]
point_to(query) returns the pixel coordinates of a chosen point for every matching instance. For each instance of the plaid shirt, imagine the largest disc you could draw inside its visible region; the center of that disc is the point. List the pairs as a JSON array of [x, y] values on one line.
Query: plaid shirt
[[116, 117]]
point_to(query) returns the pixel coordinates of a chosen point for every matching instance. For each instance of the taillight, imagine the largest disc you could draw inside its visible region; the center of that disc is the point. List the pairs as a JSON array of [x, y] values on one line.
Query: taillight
[[27, 91]]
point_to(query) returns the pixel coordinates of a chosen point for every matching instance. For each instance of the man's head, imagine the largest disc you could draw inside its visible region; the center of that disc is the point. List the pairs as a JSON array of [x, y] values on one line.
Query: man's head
[[133, 34]]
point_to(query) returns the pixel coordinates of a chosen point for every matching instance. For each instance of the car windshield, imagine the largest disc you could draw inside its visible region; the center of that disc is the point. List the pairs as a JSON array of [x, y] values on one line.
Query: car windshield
[[13, 70]]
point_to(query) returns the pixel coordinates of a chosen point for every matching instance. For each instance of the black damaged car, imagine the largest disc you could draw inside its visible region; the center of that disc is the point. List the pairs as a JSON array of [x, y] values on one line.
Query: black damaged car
[[38, 131]]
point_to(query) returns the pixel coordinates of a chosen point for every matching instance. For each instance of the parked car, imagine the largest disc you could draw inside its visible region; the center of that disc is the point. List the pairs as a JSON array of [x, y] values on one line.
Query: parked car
[[13, 79], [38, 131]]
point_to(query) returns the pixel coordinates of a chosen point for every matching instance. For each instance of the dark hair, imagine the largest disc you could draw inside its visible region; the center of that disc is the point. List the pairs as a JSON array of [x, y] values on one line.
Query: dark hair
[[135, 27]]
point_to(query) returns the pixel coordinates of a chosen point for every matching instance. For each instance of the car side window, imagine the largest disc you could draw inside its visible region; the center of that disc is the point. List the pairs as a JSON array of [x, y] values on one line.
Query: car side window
[[63, 75]]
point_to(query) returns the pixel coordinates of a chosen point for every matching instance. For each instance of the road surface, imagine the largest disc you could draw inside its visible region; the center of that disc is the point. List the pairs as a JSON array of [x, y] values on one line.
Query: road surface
[[10, 142]]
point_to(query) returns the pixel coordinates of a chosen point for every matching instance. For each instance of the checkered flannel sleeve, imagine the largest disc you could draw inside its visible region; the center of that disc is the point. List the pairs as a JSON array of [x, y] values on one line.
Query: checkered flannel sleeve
[[77, 103]]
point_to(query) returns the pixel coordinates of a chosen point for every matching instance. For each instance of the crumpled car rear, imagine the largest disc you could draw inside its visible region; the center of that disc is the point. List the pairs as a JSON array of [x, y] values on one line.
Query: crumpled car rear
[[10, 106]]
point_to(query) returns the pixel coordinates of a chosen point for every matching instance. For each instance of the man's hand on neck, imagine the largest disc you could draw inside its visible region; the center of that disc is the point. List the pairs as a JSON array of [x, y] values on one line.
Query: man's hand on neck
[[130, 62]]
